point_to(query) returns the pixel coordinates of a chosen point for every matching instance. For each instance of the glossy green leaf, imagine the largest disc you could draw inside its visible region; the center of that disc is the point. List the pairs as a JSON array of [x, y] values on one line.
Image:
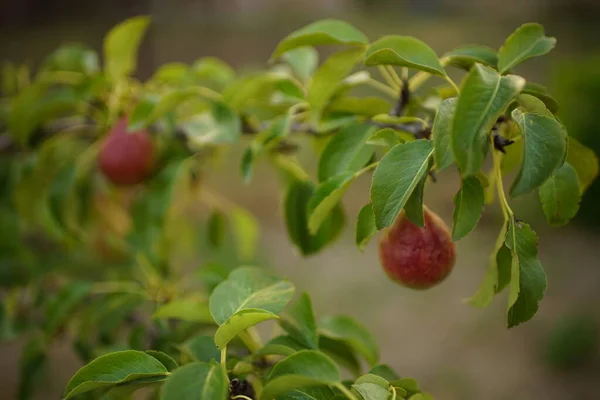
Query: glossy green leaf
[[404, 51], [442, 133], [307, 368], [202, 348], [528, 279], [526, 42], [560, 195], [365, 226], [197, 381], [545, 150], [186, 309], [346, 151], [371, 391], [468, 55], [296, 202], [298, 320], [483, 98], [354, 334], [164, 358], [61, 307], [539, 91], [219, 126], [326, 197], [303, 60], [325, 80], [468, 207], [397, 175], [112, 369], [328, 31], [414, 204], [585, 162], [121, 47]]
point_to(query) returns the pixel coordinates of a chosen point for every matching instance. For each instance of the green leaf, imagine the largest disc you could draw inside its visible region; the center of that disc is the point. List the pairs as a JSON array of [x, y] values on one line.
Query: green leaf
[[326, 197], [260, 89], [246, 232], [296, 202], [354, 334], [196, 381], [491, 281], [247, 297], [365, 226], [468, 55], [469, 203], [126, 390], [526, 42], [414, 204], [212, 72], [202, 348], [112, 369], [585, 162], [328, 31], [121, 47], [408, 384], [60, 308], [74, 58], [216, 228], [442, 133], [186, 309], [325, 80], [404, 51], [560, 195], [483, 98], [545, 150], [389, 137], [314, 393], [346, 151], [219, 126], [303, 60], [384, 371], [164, 358], [299, 322], [532, 104], [341, 352], [304, 369], [539, 91], [152, 107], [397, 175], [371, 391], [528, 279], [31, 366], [281, 346], [368, 105]]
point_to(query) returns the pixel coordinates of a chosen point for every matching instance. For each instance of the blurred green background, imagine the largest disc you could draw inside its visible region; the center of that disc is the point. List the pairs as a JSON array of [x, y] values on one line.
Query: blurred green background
[[455, 351]]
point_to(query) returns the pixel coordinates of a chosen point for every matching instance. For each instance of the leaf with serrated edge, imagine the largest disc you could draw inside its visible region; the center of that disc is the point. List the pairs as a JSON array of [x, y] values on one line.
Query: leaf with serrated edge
[[526, 42], [468, 207], [395, 178], [528, 279], [545, 150], [483, 98], [560, 195]]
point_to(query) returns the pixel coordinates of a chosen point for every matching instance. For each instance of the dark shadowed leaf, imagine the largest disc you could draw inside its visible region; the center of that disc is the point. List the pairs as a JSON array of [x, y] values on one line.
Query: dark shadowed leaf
[[365, 226], [202, 348], [165, 359], [539, 91], [466, 56], [60, 308], [528, 279], [299, 322], [414, 204], [353, 333], [341, 352], [385, 371], [326, 197], [216, 228]]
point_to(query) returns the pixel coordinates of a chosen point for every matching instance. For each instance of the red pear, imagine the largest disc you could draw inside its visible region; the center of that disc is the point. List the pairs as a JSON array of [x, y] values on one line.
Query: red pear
[[417, 257], [126, 158]]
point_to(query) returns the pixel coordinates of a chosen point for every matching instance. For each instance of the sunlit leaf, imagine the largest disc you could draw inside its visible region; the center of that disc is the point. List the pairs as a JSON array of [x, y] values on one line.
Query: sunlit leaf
[[405, 51], [121, 47], [526, 42]]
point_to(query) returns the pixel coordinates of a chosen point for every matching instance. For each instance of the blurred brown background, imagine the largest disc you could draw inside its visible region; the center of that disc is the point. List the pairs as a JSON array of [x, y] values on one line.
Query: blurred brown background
[[455, 351]]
